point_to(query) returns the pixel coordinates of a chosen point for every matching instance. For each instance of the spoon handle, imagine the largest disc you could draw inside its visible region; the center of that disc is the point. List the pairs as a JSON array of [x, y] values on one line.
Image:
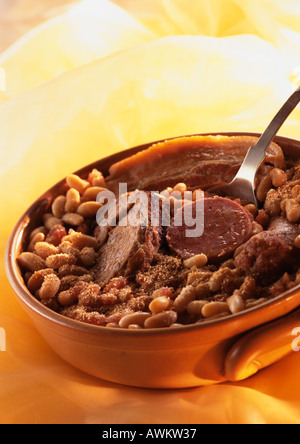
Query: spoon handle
[[256, 154]]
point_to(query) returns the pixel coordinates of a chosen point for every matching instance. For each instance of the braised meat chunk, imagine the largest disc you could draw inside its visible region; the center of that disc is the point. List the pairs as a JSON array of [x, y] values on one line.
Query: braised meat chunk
[[129, 248]]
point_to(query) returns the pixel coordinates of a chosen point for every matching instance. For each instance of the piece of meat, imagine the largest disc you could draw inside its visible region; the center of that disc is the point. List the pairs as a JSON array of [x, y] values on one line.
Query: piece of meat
[[195, 160], [120, 206], [227, 225], [270, 253], [130, 247]]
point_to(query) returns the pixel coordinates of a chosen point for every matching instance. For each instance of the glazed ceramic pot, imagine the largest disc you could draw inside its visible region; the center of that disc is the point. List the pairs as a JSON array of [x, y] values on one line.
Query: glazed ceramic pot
[[227, 349]]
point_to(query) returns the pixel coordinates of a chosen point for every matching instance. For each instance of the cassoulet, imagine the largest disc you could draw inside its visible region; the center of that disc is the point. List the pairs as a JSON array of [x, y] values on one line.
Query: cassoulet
[[151, 273]]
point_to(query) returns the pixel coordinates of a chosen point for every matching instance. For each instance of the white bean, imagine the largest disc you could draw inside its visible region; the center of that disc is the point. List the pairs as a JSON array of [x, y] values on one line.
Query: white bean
[[214, 308], [137, 318]]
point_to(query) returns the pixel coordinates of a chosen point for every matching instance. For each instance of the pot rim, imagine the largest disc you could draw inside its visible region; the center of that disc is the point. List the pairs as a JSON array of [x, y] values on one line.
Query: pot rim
[[245, 318]]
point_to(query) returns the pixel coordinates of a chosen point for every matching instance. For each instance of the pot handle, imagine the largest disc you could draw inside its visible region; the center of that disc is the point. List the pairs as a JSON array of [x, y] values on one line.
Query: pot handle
[[262, 347]]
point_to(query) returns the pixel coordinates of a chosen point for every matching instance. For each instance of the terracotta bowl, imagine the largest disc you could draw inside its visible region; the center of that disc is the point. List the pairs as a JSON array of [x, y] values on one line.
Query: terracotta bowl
[[228, 349]]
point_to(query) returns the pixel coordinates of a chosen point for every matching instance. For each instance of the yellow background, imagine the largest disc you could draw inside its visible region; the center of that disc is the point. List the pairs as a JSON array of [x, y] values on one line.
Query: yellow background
[[88, 78]]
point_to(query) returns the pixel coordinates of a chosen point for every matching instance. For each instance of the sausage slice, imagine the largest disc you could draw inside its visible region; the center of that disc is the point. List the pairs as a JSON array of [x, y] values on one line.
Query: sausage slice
[[227, 225]]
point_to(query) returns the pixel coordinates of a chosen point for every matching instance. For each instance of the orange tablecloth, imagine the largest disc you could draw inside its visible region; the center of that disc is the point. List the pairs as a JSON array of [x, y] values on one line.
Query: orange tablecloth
[[101, 76]]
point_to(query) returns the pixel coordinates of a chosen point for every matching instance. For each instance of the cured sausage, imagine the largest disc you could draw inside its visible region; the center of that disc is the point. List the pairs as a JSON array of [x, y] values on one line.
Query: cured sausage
[[270, 253], [227, 225]]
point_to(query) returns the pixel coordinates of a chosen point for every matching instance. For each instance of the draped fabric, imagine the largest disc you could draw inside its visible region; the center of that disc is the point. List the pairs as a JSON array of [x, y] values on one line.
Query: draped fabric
[[90, 78]]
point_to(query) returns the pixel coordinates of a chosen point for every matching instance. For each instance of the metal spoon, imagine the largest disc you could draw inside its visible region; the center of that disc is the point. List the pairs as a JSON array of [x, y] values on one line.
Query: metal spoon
[[242, 185]]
